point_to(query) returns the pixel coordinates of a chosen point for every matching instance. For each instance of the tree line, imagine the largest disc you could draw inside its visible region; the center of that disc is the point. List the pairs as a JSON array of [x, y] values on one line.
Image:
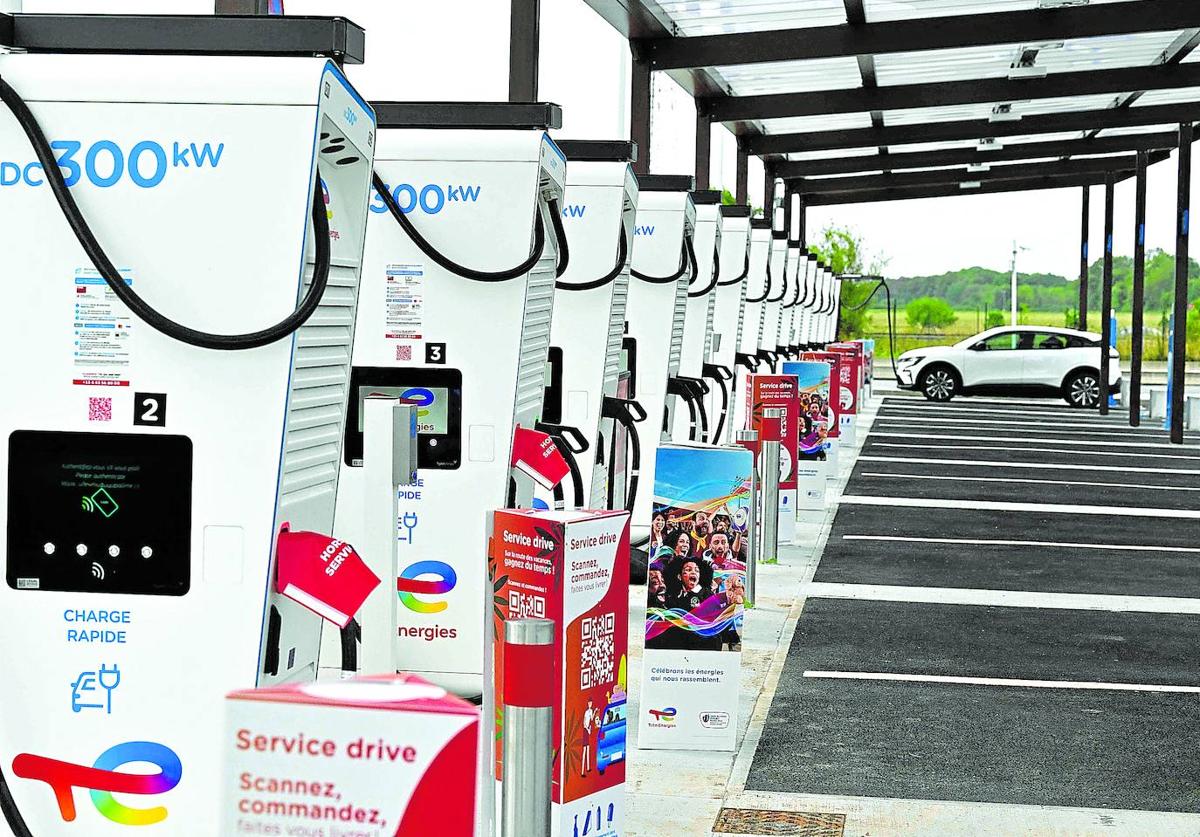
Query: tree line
[[974, 288]]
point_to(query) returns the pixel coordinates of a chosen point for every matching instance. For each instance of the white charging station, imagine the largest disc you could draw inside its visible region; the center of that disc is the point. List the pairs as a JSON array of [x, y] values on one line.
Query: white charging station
[[455, 317], [589, 381], [758, 287], [728, 311], [663, 265], [151, 465], [768, 341], [696, 424], [787, 318]]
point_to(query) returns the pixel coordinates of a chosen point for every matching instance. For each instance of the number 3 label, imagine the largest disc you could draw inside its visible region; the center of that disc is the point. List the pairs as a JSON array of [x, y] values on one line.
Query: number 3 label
[[150, 409]]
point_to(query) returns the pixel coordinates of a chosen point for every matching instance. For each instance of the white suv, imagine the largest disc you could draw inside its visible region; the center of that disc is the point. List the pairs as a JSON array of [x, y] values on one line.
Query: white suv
[[1022, 360]]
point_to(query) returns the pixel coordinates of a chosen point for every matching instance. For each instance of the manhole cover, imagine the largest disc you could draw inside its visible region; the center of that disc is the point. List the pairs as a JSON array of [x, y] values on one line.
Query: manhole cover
[[746, 821]]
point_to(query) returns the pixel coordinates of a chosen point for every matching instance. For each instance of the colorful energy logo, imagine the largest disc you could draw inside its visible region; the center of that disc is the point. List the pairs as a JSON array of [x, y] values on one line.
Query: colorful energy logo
[[103, 780], [409, 585], [420, 396], [666, 716]]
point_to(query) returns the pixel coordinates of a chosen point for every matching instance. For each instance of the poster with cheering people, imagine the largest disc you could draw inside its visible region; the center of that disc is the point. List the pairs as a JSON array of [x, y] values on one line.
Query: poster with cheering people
[[834, 361], [813, 437], [695, 596]]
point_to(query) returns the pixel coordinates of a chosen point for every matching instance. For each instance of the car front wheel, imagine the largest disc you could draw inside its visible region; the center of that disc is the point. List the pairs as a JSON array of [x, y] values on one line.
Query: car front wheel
[[939, 383], [1082, 389]]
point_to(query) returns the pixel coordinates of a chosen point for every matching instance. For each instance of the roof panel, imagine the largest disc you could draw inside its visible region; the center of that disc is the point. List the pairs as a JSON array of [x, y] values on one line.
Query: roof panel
[[792, 76], [824, 155], [805, 124], [1168, 97], [1135, 130], [993, 61], [715, 17], [883, 10]]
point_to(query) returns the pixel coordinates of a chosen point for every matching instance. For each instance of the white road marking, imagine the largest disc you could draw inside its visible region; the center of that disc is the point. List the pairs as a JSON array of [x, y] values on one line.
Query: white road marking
[[1014, 449], [1027, 481], [1114, 419], [1003, 681], [1041, 466], [996, 505], [1015, 426], [1002, 598], [1026, 440], [1116, 547]]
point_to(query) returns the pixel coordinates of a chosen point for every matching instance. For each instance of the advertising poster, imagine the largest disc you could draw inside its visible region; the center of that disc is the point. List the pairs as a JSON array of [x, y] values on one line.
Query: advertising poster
[[573, 568], [813, 442], [849, 387], [386, 754], [834, 360], [695, 597], [779, 391]]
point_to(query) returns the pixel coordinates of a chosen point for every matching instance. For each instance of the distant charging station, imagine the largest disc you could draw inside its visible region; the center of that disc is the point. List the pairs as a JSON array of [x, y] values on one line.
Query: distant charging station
[[152, 464], [589, 375], [758, 287], [663, 264], [728, 306], [457, 301], [698, 321]]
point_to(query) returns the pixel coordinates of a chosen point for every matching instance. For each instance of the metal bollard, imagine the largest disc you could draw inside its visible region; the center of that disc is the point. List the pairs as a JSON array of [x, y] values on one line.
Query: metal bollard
[[528, 727], [769, 457], [749, 440]]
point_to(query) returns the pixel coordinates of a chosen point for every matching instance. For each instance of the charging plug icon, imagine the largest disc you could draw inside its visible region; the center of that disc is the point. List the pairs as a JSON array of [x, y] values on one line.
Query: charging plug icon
[[109, 679]]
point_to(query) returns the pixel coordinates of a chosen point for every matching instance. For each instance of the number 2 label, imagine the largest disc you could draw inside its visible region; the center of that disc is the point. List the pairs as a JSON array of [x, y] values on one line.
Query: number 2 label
[[150, 409]]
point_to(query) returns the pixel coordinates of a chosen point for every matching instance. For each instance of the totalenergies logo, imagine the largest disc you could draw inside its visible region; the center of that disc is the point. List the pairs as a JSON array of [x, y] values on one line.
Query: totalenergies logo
[[103, 779], [664, 716], [410, 584], [326, 197]]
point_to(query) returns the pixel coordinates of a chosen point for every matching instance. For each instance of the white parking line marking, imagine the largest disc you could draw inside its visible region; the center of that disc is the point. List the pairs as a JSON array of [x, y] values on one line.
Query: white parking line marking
[[1043, 466], [1014, 449], [1030, 415], [1002, 598], [997, 505], [1028, 481], [1024, 440], [1003, 681], [1015, 427], [1115, 547]]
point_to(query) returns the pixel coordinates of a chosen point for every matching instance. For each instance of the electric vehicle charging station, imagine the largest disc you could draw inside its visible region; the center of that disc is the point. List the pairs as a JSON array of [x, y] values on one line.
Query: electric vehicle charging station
[[758, 287], [768, 341], [589, 387], [728, 313], [698, 320], [803, 301], [663, 264], [463, 242], [139, 561], [794, 272]]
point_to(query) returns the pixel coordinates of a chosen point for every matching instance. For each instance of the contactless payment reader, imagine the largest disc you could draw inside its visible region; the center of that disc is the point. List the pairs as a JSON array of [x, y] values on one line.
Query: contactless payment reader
[[184, 213]]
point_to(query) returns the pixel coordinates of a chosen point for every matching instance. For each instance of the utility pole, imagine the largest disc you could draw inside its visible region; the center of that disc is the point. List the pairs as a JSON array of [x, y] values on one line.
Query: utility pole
[[1014, 283]]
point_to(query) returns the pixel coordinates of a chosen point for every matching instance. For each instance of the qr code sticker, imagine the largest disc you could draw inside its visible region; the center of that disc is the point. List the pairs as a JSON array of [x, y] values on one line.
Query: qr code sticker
[[525, 605], [99, 409], [596, 651], [404, 352]]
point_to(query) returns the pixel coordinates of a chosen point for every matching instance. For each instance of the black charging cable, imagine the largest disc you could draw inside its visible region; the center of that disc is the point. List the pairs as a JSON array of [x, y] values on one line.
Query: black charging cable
[[622, 259], [446, 263], [112, 277]]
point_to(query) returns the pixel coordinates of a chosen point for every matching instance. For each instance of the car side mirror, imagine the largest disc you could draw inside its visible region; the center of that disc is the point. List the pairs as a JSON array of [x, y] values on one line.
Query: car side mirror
[[979, 347]]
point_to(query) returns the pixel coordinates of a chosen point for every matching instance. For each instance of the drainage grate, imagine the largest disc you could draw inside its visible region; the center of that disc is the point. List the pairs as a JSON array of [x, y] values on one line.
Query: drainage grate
[[801, 823]]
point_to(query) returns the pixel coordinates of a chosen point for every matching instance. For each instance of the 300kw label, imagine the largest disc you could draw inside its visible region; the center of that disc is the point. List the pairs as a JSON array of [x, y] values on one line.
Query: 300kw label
[[104, 163]]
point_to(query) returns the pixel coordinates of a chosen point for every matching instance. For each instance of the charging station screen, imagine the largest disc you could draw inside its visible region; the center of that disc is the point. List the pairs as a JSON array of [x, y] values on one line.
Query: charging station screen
[[99, 512], [433, 412]]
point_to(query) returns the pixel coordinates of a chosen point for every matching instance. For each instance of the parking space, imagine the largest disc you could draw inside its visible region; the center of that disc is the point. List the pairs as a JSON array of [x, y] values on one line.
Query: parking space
[[1006, 610]]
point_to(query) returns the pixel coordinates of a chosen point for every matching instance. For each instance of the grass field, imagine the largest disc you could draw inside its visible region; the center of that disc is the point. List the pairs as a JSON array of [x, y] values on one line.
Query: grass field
[[971, 322]]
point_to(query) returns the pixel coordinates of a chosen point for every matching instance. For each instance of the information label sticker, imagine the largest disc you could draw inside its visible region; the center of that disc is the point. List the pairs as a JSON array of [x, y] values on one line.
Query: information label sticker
[[102, 331], [405, 307]]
